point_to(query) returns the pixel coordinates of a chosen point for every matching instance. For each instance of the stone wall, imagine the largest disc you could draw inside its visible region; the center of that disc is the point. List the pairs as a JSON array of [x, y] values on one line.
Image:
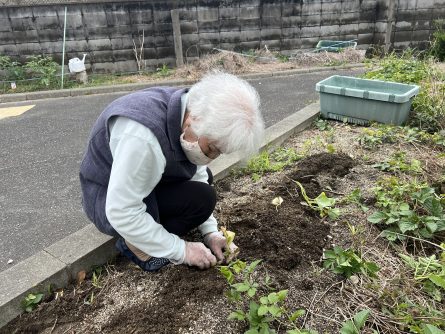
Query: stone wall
[[105, 30]]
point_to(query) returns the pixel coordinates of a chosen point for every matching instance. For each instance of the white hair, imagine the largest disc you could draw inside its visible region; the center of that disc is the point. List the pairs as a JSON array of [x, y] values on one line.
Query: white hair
[[226, 110]]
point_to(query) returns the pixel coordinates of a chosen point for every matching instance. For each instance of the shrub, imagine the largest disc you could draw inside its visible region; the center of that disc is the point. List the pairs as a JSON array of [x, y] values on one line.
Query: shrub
[[13, 69], [45, 68], [438, 44]]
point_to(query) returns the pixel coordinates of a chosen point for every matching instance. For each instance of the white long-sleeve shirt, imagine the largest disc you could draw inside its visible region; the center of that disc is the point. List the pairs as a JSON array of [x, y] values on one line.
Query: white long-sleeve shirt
[[138, 165]]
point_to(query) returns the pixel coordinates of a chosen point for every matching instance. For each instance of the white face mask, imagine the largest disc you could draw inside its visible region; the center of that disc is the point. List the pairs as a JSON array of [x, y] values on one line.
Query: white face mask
[[193, 152]]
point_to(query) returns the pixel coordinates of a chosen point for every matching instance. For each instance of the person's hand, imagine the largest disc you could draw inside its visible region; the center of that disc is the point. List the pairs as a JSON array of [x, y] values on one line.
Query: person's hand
[[196, 254], [217, 244]]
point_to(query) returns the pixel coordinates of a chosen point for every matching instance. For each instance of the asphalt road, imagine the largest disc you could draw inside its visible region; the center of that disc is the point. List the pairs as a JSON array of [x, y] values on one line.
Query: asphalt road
[[41, 150]]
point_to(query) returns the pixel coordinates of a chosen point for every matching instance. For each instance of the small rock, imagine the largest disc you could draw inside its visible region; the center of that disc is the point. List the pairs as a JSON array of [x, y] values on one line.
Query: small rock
[[10, 261], [354, 279], [139, 288]]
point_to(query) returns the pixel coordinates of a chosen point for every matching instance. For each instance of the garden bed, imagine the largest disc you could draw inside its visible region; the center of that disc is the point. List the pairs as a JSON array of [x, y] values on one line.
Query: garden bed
[[289, 238]]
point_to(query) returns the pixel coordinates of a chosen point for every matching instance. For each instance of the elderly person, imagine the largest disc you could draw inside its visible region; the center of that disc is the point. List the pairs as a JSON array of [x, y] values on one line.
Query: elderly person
[[144, 177]]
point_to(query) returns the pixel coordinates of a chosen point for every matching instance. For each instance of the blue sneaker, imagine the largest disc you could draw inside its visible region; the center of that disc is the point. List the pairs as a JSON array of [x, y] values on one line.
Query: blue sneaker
[[152, 264]]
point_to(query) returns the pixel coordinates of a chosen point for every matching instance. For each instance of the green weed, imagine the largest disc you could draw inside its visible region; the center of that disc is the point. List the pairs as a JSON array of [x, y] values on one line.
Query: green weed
[[437, 49], [13, 69], [398, 163], [31, 301], [355, 197], [163, 71], [322, 203], [429, 272], [415, 318], [44, 68], [348, 262], [355, 325], [322, 125], [408, 209], [257, 304], [267, 162]]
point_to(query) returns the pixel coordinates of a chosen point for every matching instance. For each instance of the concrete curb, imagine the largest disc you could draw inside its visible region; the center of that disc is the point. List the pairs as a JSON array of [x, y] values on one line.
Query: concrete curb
[[19, 97], [58, 264]]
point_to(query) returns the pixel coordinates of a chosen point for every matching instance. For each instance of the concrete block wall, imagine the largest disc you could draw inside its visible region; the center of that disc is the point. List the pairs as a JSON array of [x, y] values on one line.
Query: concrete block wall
[[105, 30]]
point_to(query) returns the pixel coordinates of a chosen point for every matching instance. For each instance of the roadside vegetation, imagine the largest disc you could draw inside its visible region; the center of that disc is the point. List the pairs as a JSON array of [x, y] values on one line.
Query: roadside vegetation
[[43, 73]]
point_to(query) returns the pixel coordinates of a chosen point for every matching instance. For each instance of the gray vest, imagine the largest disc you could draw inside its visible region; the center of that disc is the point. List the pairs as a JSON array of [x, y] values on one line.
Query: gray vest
[[159, 109]]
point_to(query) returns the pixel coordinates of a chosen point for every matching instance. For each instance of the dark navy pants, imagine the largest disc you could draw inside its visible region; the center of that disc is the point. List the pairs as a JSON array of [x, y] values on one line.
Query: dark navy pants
[[178, 206]]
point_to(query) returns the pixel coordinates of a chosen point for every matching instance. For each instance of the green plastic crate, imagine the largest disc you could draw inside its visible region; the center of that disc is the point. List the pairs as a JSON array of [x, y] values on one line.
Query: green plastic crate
[[361, 100], [334, 46]]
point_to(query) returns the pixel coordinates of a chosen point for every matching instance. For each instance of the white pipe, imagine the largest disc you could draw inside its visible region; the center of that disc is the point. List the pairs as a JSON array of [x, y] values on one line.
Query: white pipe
[[63, 48]]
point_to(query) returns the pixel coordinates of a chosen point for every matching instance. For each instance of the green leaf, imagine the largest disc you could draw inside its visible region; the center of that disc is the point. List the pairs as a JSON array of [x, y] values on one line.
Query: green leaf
[[439, 281], [404, 207], [251, 292], [297, 314], [431, 226], [38, 298], [433, 206], [263, 310], [282, 295], [323, 201], [274, 310], [371, 268], [334, 213], [241, 287], [377, 217], [237, 315], [273, 297], [430, 329], [253, 265], [264, 300], [252, 331], [360, 318], [391, 235], [348, 328], [407, 226]]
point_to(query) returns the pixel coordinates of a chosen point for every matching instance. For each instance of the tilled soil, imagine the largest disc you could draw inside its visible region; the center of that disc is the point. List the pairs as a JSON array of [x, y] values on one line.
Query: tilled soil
[[289, 239]]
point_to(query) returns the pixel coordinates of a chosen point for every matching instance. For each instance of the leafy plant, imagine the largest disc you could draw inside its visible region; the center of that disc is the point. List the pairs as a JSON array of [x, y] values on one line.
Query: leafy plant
[[380, 134], [405, 68], [13, 69], [257, 303], [97, 273], [415, 318], [322, 203], [44, 67], [438, 44], [408, 209], [347, 262], [31, 301], [267, 162], [230, 252], [355, 197], [371, 138], [398, 163], [430, 272], [282, 58], [355, 325], [163, 71], [429, 106]]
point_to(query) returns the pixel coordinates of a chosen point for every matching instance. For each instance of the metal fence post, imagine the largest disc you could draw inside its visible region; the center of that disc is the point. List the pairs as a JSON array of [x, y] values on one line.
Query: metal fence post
[[63, 48]]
